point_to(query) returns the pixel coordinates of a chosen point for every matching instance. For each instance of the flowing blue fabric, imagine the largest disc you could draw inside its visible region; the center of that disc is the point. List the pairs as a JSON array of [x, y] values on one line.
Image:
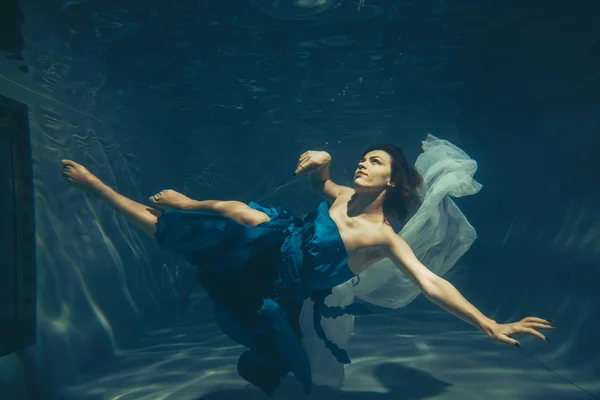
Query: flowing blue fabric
[[258, 277]]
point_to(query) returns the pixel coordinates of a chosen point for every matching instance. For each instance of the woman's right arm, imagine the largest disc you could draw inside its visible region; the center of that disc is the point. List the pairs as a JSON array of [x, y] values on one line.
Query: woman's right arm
[[316, 163]]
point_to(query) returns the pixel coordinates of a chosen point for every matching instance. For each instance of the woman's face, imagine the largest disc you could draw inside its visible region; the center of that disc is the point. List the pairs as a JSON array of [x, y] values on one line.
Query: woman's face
[[374, 172]]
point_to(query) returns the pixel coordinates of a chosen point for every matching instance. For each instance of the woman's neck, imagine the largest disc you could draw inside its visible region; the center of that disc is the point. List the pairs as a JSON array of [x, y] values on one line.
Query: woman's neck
[[368, 205]]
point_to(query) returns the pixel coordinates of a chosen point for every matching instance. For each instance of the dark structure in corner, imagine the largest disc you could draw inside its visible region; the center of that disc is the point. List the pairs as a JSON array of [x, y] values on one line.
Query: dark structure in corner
[[17, 230]]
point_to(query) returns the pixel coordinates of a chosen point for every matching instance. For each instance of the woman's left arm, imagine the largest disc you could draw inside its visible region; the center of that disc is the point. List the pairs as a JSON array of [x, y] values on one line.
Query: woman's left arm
[[444, 294]]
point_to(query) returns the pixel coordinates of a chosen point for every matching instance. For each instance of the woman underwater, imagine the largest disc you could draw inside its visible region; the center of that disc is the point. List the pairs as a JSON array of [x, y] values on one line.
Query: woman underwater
[[262, 265]]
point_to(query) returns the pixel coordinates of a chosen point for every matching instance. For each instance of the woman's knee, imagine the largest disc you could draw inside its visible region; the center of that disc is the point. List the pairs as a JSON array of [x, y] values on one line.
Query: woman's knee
[[228, 207], [241, 212]]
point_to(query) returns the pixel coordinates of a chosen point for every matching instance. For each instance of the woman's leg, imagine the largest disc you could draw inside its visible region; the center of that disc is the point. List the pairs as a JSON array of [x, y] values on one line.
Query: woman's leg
[[142, 216], [145, 217], [172, 200]]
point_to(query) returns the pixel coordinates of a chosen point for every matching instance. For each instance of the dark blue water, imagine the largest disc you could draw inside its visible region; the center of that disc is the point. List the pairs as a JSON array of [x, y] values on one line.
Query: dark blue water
[[218, 98]]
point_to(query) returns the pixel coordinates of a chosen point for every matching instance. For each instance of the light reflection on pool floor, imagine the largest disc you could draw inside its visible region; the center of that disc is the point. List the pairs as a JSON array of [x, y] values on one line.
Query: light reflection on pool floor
[[394, 357]]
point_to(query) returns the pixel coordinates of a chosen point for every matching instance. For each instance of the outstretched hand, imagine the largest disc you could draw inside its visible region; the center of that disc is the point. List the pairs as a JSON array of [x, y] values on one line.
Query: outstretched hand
[[311, 161], [503, 333]]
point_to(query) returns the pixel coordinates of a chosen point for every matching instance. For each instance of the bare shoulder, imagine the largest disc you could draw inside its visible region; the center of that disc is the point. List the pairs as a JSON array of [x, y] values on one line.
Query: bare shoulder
[[345, 191], [335, 191], [343, 195], [389, 240]]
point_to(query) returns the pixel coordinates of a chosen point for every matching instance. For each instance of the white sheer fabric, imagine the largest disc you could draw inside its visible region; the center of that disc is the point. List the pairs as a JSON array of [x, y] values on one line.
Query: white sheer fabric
[[439, 235]]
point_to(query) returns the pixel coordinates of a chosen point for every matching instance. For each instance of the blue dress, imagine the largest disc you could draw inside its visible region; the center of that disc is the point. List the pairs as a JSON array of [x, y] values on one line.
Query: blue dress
[[258, 278]]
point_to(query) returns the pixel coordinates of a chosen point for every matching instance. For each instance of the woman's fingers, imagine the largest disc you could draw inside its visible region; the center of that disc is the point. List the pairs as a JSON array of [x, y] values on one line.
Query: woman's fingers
[[508, 340], [532, 332], [538, 320], [538, 325], [528, 325], [307, 168], [302, 161], [307, 163], [302, 166], [310, 169]]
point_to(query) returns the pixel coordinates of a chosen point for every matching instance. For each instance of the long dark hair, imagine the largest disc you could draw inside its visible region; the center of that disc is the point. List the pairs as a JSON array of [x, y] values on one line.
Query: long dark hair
[[403, 198]]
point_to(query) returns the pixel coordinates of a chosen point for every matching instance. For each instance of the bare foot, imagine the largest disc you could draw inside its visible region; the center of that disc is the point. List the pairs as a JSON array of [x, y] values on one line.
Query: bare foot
[[79, 176], [171, 200]]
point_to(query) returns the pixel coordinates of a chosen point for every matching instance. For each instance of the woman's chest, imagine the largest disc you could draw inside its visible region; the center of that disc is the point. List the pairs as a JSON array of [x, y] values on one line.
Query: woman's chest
[[363, 242]]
